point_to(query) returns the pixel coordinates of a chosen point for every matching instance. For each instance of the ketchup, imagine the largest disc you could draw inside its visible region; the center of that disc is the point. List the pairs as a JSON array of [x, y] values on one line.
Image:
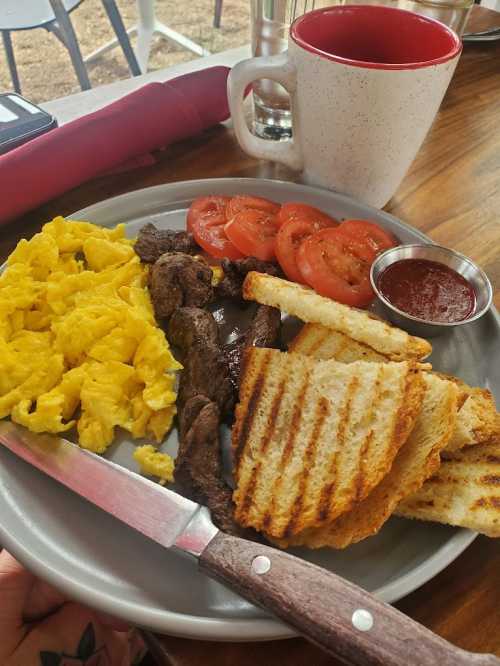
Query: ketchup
[[427, 290]]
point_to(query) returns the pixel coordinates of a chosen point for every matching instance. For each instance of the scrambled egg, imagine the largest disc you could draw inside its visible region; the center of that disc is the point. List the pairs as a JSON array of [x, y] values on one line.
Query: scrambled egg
[[79, 345], [155, 463]]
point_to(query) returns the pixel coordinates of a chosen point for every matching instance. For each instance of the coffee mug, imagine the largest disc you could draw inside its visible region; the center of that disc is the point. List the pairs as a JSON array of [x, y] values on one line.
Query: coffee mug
[[365, 82]]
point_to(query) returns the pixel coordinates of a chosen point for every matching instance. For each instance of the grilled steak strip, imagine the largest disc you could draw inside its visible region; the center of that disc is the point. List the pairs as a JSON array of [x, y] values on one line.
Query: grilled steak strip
[[195, 333], [198, 467], [152, 243], [204, 391], [235, 272], [176, 280], [263, 332]]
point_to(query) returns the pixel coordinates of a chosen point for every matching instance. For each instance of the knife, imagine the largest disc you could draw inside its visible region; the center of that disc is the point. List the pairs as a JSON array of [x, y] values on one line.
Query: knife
[[336, 615]]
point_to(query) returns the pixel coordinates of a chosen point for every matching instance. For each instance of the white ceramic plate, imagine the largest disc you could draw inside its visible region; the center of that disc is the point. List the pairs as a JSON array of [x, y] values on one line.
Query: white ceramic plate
[[97, 560]]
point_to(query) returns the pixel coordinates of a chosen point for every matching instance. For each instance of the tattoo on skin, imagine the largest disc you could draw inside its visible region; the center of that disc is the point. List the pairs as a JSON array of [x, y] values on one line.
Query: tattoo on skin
[[87, 654]]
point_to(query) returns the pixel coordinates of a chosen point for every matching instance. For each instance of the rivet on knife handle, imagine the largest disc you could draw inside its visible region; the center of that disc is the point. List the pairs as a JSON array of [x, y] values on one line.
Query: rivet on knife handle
[[340, 617]]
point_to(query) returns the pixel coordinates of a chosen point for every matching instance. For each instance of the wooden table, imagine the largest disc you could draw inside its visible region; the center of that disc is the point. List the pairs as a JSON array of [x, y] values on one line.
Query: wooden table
[[452, 193]]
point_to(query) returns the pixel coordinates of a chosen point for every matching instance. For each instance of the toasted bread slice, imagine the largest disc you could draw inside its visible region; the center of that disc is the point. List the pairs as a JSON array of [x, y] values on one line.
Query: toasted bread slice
[[415, 462], [312, 438], [465, 491], [320, 342], [305, 304], [478, 419]]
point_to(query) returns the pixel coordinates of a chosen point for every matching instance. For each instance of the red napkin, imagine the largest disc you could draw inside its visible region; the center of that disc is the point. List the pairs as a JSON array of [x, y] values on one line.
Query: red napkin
[[148, 119]]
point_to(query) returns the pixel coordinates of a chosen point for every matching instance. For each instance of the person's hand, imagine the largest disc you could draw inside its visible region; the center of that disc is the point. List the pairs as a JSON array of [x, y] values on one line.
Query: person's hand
[[39, 627]]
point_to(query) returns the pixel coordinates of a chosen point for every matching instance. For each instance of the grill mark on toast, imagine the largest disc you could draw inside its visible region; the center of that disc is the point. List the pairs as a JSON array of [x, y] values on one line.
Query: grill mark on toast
[[360, 476], [294, 423], [321, 414], [342, 347], [248, 418], [326, 496], [319, 341], [242, 511], [273, 415], [247, 407], [438, 479], [365, 447], [265, 439], [482, 502], [403, 416], [490, 479], [287, 451], [424, 503]]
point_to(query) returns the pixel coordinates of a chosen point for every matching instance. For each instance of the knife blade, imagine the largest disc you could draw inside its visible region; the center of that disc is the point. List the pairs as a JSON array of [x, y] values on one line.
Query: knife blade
[[160, 514], [338, 616]]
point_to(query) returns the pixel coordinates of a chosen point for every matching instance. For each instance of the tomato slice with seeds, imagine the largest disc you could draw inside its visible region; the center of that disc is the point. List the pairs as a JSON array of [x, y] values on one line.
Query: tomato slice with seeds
[[214, 241], [297, 222], [375, 239], [253, 232], [209, 210], [242, 202], [206, 219], [334, 266], [304, 212]]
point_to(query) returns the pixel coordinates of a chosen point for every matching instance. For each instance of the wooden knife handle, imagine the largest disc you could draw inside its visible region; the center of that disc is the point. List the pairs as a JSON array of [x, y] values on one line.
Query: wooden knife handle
[[338, 616]]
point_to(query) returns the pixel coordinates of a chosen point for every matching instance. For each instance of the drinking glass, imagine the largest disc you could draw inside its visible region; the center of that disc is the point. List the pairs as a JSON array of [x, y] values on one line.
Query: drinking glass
[[453, 13], [271, 20]]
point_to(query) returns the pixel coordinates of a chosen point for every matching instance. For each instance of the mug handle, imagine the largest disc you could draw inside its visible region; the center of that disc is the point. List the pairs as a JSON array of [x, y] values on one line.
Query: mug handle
[[280, 69]]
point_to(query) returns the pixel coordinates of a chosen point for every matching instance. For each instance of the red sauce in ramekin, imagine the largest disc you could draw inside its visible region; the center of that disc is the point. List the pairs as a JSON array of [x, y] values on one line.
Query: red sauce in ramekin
[[428, 290]]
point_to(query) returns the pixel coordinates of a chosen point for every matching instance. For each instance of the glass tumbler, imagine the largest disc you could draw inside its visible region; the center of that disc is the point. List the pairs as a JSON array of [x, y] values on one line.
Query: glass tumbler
[[271, 20], [453, 13]]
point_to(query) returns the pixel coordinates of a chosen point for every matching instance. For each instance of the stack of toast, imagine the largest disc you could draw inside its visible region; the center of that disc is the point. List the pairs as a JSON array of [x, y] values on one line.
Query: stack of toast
[[352, 425]]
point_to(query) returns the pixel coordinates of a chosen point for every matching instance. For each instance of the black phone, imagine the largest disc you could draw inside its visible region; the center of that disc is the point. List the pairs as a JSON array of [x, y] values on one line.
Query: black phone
[[20, 121]]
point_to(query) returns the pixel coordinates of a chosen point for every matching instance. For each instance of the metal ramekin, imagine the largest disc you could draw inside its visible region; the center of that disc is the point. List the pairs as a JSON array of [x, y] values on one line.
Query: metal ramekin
[[467, 268]]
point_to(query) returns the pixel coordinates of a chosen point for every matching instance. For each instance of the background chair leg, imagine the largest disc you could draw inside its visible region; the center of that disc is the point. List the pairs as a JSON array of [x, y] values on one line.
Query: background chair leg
[[9, 51], [217, 13], [117, 23], [69, 38]]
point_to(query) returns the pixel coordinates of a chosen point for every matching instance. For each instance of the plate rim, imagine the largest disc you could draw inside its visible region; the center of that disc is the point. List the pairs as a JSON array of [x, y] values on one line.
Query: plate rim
[[227, 629]]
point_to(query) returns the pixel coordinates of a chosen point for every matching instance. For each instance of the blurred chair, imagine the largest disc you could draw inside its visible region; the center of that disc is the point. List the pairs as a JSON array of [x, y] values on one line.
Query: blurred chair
[[147, 27], [217, 13], [53, 15]]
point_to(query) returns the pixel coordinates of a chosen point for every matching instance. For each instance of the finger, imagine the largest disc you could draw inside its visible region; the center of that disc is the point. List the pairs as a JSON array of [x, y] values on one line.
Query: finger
[[113, 622], [42, 600], [15, 585]]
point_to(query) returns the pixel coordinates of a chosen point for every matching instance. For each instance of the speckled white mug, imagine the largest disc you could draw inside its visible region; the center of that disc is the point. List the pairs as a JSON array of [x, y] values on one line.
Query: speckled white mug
[[366, 82]]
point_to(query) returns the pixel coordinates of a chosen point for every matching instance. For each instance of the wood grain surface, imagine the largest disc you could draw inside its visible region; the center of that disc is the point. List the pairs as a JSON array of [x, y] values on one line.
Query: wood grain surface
[[452, 193], [320, 606]]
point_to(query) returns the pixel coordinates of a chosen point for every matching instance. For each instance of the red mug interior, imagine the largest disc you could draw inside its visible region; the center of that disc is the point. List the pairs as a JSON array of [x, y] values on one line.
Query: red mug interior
[[375, 36]]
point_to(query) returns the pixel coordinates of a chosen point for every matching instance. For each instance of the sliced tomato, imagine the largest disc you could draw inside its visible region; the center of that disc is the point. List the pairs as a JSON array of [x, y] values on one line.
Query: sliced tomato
[[206, 219], [253, 232], [333, 265], [375, 239], [209, 210], [297, 222], [299, 211], [242, 201], [214, 241], [288, 240]]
